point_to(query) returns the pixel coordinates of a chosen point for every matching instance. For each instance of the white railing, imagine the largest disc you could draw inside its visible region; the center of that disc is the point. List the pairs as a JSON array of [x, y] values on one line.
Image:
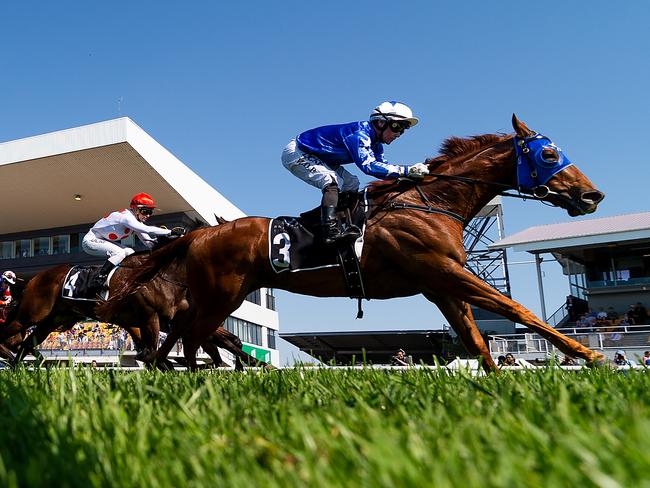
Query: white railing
[[598, 338]]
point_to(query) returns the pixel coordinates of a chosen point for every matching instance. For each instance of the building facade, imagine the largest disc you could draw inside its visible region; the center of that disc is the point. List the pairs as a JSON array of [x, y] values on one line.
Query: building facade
[[62, 182]]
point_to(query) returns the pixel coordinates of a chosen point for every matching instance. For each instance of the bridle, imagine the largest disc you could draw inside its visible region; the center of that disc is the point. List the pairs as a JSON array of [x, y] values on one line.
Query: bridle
[[533, 172]]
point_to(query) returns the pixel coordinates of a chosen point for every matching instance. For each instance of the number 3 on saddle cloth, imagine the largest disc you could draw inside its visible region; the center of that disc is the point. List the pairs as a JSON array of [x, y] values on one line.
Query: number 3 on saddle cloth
[[296, 243]]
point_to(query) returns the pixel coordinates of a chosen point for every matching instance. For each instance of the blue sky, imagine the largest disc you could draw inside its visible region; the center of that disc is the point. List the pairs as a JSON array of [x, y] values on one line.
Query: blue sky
[[225, 85]]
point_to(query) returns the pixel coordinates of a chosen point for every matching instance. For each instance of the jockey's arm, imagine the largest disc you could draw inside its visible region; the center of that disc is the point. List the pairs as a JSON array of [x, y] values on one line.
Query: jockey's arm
[[372, 163], [129, 220], [146, 239]]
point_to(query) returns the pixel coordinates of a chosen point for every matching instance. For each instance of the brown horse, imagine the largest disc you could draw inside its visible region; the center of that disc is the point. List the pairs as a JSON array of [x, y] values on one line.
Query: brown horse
[[161, 301], [413, 242]]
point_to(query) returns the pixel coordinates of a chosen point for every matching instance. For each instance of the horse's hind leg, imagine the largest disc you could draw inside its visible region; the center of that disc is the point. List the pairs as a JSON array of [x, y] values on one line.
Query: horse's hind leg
[[233, 344], [212, 350], [32, 341], [465, 286], [461, 319], [199, 331]]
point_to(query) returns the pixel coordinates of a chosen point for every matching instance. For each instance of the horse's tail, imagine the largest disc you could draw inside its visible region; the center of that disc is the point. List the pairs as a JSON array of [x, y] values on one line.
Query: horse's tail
[[149, 269]]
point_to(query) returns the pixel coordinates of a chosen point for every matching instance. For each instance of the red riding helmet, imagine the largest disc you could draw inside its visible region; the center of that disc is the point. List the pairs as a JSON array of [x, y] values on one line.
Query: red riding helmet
[[143, 200]]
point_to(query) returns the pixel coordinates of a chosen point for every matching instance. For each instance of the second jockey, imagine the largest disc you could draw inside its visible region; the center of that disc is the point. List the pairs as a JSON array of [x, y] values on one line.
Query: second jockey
[[7, 279], [317, 157], [103, 239]]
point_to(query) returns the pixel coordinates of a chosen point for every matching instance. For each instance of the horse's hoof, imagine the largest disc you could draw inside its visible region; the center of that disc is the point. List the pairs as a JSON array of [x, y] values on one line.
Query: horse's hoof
[[597, 361]]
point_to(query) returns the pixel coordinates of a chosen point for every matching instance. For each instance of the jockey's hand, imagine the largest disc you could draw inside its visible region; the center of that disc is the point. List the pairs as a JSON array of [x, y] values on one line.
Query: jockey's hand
[[417, 171], [177, 232]]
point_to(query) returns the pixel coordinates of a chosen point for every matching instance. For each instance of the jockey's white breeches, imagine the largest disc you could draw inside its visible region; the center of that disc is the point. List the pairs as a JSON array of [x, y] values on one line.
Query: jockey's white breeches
[[314, 171], [96, 246]]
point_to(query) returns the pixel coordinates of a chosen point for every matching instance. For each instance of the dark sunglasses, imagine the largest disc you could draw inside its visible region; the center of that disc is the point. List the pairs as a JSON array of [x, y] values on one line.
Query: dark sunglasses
[[398, 127], [146, 211]]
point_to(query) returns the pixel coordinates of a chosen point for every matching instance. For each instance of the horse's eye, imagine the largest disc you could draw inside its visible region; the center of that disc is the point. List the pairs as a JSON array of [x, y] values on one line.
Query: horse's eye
[[550, 155]]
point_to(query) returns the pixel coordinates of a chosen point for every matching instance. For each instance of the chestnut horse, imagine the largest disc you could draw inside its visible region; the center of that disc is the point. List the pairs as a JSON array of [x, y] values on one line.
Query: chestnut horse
[[413, 242], [161, 301]]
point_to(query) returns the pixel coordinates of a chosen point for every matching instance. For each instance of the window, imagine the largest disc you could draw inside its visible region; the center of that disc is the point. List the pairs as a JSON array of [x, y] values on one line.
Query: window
[[61, 244], [7, 250], [23, 248], [41, 246], [75, 242], [246, 331], [270, 336], [270, 299], [255, 297]]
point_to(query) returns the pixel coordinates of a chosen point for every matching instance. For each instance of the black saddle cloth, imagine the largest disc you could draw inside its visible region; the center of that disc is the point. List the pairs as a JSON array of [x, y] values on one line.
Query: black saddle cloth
[[77, 281], [296, 243]]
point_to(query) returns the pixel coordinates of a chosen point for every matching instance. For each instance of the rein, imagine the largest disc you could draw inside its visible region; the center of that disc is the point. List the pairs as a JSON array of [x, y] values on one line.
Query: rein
[[430, 208]]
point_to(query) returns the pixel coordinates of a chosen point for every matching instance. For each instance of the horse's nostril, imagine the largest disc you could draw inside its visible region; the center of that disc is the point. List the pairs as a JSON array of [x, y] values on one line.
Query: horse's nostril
[[592, 197]]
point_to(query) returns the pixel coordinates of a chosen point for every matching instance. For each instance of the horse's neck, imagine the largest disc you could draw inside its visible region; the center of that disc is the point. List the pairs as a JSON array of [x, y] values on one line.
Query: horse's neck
[[495, 166]]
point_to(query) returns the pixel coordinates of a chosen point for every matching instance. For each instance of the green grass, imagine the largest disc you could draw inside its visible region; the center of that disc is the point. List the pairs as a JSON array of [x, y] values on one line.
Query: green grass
[[324, 428]]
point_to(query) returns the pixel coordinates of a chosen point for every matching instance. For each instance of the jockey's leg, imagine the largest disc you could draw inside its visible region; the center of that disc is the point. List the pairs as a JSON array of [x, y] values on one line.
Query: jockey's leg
[[328, 219], [312, 170], [95, 246]]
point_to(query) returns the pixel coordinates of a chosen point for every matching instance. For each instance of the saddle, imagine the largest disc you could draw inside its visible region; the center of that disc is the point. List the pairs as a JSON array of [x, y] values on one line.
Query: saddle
[[77, 281], [296, 243]]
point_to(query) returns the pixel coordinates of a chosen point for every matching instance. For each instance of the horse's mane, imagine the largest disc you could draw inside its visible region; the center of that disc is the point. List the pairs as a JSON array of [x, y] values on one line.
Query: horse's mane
[[452, 150], [147, 270]]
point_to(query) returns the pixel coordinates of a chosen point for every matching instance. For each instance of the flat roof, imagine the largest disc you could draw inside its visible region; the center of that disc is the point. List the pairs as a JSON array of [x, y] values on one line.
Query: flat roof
[[378, 346], [106, 164], [579, 233]]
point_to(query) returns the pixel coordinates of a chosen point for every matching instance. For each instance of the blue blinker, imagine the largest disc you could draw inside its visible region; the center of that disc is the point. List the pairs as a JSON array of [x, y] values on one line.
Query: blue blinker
[[533, 169]]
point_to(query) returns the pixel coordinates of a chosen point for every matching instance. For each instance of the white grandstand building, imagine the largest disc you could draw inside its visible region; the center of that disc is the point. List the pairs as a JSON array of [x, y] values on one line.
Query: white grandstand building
[[63, 182]]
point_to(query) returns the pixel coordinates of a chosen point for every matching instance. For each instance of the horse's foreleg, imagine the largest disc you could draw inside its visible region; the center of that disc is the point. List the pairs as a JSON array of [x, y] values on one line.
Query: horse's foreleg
[[160, 355], [463, 285], [461, 319], [150, 334]]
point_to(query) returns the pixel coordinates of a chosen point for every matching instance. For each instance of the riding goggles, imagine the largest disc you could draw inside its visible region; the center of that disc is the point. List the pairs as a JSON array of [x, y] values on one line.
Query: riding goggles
[[399, 127], [148, 211]]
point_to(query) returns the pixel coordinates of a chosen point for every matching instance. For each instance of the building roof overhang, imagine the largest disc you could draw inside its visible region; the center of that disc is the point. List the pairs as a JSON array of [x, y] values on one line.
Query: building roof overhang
[[620, 229], [104, 164]]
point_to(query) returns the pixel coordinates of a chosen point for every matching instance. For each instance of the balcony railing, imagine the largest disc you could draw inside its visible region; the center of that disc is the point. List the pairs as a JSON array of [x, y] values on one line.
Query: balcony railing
[[597, 338]]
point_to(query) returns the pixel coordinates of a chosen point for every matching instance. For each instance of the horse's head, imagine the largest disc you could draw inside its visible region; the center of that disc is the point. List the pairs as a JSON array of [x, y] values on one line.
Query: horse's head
[[543, 170]]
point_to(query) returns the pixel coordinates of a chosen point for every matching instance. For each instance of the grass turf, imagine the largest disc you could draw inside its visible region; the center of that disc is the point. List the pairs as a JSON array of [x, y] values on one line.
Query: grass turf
[[297, 427]]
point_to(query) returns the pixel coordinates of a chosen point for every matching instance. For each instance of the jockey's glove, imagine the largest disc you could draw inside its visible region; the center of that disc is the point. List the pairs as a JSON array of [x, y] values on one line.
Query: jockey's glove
[[178, 232], [417, 171]]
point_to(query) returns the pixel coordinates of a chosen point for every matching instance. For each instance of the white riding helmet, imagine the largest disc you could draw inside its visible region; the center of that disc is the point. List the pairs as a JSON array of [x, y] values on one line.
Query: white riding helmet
[[393, 111], [9, 277]]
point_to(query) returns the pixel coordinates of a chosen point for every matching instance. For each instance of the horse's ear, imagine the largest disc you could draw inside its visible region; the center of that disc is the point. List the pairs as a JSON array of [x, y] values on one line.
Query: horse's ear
[[520, 128]]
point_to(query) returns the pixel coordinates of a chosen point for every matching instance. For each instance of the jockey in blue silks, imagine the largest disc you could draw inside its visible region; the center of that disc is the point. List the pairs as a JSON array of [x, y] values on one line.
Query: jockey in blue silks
[[317, 157]]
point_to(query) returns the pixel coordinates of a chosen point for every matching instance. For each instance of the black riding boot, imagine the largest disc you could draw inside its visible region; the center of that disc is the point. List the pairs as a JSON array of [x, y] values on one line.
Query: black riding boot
[[97, 285], [330, 225]]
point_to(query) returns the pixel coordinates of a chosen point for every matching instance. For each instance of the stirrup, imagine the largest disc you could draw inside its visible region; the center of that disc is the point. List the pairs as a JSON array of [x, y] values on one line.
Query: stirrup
[[331, 238], [351, 232]]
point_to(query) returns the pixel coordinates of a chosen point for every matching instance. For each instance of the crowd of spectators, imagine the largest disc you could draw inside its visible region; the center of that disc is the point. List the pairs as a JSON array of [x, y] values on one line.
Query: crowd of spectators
[[637, 314], [89, 335]]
